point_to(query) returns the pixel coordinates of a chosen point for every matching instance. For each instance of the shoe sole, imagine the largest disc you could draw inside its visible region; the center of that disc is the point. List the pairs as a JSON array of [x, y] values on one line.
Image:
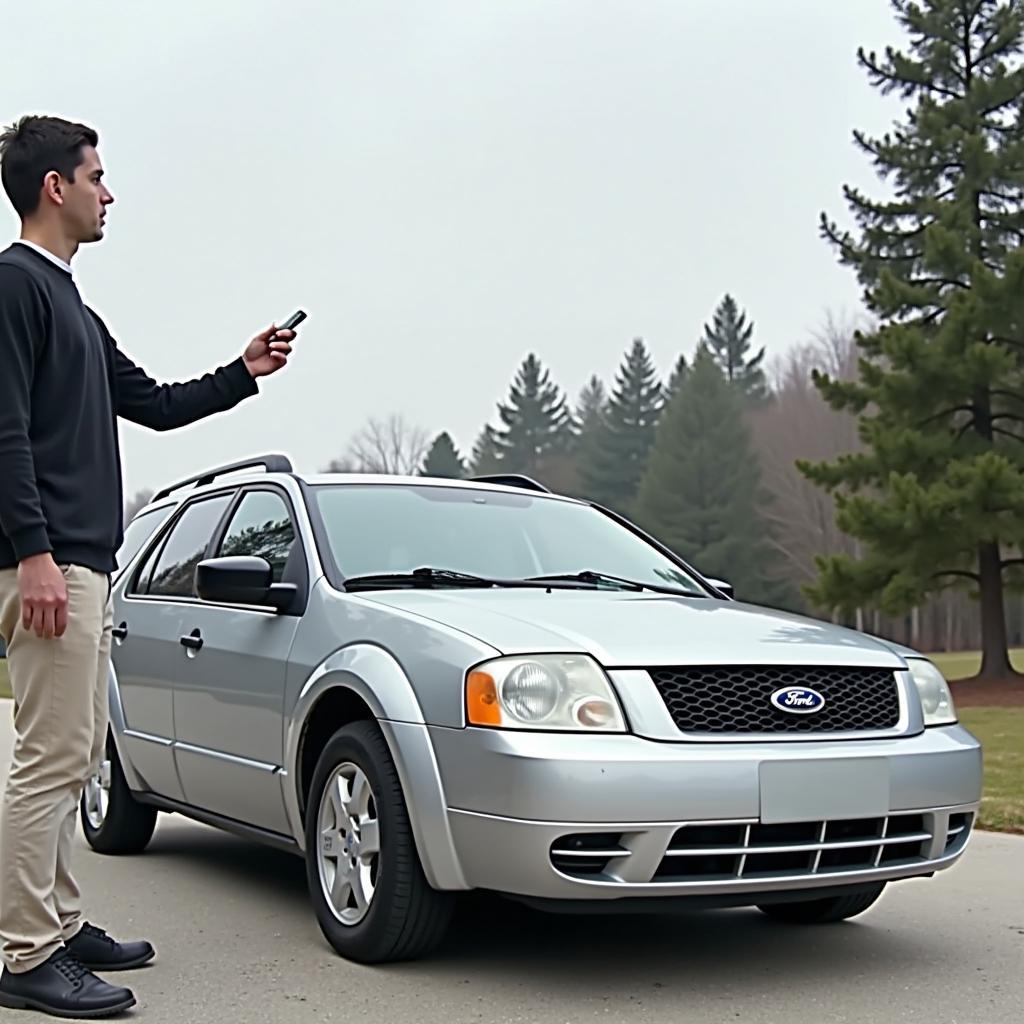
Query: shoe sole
[[17, 1003], [126, 965]]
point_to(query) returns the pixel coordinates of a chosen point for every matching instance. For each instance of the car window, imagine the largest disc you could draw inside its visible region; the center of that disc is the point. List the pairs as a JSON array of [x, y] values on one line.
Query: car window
[[174, 573], [261, 526], [391, 528], [137, 532]]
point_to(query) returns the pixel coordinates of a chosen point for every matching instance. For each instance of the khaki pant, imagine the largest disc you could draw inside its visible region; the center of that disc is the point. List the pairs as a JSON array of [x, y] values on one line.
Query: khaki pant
[[60, 724]]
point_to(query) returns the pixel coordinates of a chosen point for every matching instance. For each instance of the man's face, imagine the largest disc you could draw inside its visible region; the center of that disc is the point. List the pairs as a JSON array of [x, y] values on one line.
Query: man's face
[[85, 199]]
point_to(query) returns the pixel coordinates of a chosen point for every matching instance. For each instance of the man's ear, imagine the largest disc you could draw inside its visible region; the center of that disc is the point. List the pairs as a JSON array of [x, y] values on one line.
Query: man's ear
[[52, 186]]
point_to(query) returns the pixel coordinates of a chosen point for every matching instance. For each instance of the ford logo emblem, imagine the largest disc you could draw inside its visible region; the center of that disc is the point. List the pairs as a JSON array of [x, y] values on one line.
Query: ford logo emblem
[[798, 700]]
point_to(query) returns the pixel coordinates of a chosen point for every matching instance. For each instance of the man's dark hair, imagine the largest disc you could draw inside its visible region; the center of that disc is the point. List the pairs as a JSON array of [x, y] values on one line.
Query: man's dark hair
[[32, 148]]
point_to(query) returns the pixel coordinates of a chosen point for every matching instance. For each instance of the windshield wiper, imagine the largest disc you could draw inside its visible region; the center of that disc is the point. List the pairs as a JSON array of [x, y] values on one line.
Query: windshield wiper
[[424, 577], [591, 576]]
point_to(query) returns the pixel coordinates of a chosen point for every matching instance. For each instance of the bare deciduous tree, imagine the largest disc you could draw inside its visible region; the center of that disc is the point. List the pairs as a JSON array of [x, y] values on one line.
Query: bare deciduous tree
[[390, 446], [798, 424]]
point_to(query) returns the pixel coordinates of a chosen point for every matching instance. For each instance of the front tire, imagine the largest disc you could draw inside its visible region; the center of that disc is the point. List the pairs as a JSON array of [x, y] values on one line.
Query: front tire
[[112, 819], [826, 911], [372, 900]]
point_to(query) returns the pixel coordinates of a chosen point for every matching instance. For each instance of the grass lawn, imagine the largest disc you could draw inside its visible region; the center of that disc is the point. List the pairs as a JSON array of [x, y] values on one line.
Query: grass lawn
[[1001, 732], [962, 664]]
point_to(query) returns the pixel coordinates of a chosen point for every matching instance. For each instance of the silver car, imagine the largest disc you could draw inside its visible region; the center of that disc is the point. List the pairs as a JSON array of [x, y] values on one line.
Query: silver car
[[427, 686]]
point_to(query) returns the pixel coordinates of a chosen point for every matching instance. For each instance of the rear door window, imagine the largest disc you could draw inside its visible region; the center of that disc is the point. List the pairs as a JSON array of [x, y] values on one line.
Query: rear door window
[[173, 574]]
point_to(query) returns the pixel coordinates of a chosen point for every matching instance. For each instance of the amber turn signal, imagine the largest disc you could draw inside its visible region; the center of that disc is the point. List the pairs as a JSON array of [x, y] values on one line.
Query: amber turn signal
[[482, 707]]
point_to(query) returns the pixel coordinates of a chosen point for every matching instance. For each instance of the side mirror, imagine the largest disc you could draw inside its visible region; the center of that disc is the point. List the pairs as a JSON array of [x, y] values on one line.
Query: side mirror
[[725, 588], [242, 579]]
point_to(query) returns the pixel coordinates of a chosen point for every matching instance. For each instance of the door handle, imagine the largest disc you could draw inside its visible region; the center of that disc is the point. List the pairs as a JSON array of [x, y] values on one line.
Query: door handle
[[193, 641], [120, 632]]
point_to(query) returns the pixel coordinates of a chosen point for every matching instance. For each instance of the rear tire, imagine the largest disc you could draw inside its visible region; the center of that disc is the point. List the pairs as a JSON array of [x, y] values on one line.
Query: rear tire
[[113, 820], [826, 911], [372, 900]]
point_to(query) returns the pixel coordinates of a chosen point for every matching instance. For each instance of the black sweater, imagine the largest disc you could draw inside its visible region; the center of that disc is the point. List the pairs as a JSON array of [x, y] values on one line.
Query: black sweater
[[63, 383]]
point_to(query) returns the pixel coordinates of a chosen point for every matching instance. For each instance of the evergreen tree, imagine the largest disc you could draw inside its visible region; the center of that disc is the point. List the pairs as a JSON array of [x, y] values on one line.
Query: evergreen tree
[[701, 492], [591, 421], [443, 459], [486, 458], [937, 497], [679, 372], [728, 341], [537, 426], [610, 473], [592, 408]]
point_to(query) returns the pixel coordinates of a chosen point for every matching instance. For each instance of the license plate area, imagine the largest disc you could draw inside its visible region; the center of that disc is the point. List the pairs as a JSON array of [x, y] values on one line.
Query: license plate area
[[823, 790]]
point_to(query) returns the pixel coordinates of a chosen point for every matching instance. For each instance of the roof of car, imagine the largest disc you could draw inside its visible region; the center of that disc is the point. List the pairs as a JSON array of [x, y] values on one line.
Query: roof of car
[[433, 481], [175, 493]]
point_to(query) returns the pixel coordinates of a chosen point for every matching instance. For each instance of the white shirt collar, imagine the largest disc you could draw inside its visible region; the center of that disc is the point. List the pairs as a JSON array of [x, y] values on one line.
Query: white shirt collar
[[46, 254]]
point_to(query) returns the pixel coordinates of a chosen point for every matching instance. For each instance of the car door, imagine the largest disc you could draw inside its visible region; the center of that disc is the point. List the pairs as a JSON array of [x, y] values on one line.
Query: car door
[[229, 688], [147, 655]]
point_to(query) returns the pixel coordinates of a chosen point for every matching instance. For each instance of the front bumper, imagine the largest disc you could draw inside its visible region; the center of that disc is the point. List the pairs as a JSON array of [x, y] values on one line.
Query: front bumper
[[533, 814]]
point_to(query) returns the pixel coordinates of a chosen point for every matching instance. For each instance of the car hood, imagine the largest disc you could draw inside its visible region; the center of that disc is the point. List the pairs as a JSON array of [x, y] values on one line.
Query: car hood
[[632, 630]]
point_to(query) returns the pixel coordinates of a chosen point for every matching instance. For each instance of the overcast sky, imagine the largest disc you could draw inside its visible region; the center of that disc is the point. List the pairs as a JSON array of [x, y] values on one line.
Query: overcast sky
[[445, 186]]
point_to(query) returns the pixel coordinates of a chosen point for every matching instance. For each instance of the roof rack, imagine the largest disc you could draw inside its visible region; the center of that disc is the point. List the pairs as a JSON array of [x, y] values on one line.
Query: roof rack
[[511, 480], [272, 463]]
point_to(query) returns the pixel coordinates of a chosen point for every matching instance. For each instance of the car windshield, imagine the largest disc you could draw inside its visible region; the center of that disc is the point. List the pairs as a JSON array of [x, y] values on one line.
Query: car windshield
[[394, 528]]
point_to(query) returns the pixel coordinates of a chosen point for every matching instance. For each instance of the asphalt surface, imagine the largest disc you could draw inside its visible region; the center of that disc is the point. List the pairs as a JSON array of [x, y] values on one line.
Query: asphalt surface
[[237, 941]]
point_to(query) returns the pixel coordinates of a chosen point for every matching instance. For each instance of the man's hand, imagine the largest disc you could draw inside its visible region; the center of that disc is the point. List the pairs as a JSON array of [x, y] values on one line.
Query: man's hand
[[44, 596], [263, 356]]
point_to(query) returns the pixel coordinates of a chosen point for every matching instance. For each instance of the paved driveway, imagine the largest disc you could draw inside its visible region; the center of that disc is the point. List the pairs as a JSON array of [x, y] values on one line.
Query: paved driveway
[[236, 941]]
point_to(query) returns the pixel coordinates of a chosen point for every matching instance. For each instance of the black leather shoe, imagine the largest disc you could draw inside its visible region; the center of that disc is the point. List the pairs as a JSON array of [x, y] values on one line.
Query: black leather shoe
[[63, 987], [99, 952]]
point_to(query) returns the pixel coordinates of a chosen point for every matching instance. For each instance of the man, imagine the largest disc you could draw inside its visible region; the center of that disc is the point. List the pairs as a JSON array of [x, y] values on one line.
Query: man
[[63, 383]]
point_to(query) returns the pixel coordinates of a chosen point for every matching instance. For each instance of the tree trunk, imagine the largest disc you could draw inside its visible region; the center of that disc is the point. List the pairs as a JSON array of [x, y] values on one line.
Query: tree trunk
[[995, 660]]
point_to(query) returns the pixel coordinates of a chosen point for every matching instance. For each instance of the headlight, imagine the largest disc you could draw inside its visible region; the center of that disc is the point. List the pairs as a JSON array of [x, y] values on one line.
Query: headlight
[[550, 691], [932, 688]]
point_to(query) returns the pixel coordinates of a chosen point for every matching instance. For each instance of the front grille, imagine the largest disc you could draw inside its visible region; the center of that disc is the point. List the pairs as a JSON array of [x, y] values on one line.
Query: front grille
[[705, 852], [719, 852], [737, 698]]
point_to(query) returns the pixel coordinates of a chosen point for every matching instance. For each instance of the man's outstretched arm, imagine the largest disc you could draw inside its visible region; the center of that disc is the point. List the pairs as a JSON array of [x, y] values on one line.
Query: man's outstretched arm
[[142, 400]]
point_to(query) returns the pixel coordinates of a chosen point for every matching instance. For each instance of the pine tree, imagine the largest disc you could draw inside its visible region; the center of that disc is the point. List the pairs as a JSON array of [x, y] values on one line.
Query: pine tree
[[537, 427], [679, 372], [611, 472], [486, 458], [591, 422], [443, 459], [592, 407], [728, 341], [937, 497], [701, 492]]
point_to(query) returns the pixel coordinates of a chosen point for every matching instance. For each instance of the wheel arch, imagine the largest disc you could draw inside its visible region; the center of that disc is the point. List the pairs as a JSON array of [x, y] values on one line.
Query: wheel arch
[[365, 682]]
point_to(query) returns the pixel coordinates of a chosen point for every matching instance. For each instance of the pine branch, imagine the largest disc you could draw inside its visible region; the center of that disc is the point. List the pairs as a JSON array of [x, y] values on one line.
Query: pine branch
[[963, 430], [1003, 393], [924, 282], [1007, 433], [1011, 561], [841, 242], [891, 158], [999, 195], [1012, 342], [883, 74], [903, 258], [948, 412], [928, 319], [957, 572]]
